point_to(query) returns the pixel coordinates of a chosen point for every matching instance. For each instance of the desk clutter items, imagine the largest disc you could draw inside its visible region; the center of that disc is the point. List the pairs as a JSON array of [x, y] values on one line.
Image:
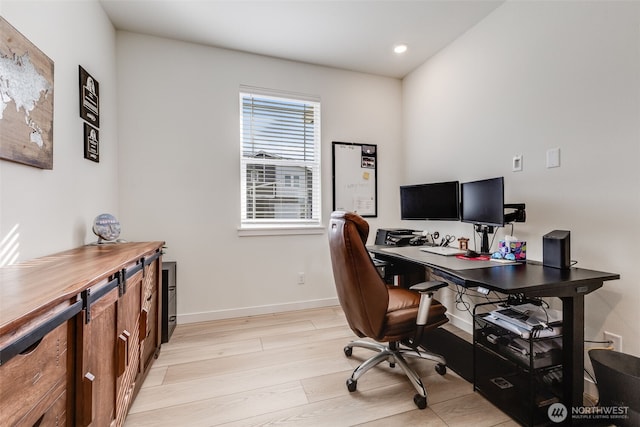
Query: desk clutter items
[[511, 249], [404, 237], [107, 228], [528, 320], [463, 243]]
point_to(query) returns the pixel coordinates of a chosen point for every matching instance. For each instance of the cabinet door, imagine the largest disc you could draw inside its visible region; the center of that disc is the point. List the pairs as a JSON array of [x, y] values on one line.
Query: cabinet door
[[128, 344], [150, 327], [96, 382], [111, 344]]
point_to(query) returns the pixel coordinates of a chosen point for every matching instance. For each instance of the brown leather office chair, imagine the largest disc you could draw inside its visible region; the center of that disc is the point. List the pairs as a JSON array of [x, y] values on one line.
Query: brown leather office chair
[[386, 314]]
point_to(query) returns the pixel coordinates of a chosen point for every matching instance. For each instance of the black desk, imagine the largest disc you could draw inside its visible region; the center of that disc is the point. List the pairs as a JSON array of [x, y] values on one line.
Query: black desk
[[531, 279]]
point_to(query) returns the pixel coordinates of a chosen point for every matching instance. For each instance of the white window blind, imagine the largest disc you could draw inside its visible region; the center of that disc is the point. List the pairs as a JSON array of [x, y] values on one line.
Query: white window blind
[[280, 161]]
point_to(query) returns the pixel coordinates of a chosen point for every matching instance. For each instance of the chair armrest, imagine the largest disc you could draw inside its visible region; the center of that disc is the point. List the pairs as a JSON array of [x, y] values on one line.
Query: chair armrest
[[426, 290], [429, 286]]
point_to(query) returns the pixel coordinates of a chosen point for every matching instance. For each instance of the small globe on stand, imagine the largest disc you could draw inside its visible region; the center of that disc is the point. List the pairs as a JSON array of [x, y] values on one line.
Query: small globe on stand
[[107, 228]]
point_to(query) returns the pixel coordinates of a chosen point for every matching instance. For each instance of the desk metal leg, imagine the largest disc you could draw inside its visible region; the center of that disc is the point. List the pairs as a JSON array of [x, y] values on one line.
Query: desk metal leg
[[573, 350]]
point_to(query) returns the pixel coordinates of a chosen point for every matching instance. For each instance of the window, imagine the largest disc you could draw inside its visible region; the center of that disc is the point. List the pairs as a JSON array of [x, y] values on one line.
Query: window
[[280, 160]]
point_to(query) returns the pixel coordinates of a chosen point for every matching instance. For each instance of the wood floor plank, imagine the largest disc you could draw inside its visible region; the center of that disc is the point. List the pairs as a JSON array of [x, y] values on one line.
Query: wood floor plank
[[470, 409], [178, 354], [206, 387], [290, 368], [298, 338], [224, 408], [321, 317], [243, 362], [348, 409], [221, 335], [155, 377], [416, 417], [439, 388]]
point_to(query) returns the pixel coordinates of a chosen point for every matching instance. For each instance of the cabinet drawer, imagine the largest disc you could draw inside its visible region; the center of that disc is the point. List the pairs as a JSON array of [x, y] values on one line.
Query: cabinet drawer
[[56, 415], [30, 375]]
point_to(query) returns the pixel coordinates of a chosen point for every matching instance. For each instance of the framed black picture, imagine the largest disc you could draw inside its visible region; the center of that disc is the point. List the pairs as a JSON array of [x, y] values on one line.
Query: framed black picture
[[89, 98], [91, 143]]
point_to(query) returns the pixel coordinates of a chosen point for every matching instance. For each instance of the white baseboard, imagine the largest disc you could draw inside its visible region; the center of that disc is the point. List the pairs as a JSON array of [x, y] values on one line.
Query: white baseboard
[[461, 323], [254, 311], [590, 388]]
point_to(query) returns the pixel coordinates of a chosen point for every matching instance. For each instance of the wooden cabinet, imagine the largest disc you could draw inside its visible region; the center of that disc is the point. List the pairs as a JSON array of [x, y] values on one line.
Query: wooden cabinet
[[79, 331]]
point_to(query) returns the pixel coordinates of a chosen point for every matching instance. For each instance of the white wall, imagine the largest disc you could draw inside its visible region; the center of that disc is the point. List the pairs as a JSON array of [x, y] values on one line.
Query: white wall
[[530, 77], [179, 165], [52, 210]]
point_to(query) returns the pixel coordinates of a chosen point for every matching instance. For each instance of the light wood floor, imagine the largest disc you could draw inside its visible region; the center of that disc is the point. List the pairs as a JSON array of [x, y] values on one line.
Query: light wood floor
[[289, 369]]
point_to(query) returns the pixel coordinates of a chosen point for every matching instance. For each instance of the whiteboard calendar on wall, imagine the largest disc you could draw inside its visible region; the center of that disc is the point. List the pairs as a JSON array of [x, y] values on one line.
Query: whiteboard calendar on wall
[[355, 186]]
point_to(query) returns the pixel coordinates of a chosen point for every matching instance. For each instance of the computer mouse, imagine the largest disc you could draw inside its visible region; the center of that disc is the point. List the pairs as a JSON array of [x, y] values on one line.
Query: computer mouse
[[471, 254]]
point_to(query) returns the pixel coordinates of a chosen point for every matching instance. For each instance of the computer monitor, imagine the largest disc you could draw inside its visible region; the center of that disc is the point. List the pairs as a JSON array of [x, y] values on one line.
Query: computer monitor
[[482, 204], [433, 201]]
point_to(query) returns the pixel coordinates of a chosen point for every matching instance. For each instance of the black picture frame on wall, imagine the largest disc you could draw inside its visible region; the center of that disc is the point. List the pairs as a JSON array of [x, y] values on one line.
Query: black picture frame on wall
[[91, 143], [89, 98]]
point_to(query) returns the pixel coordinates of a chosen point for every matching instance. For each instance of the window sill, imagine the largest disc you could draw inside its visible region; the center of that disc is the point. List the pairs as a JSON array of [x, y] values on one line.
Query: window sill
[[280, 231]]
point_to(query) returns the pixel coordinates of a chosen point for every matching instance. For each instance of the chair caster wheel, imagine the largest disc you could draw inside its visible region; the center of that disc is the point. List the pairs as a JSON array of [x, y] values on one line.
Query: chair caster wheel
[[420, 401], [441, 369], [348, 351], [352, 384]]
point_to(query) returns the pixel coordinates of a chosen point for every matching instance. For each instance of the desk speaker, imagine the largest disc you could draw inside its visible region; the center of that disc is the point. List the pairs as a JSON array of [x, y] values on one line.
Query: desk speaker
[[556, 249]]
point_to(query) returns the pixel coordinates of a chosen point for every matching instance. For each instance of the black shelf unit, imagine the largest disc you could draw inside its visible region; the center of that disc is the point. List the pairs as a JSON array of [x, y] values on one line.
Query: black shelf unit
[[169, 315], [512, 373]]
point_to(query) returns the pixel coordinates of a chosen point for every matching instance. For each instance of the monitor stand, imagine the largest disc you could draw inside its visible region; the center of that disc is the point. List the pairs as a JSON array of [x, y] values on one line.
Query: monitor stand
[[485, 230]]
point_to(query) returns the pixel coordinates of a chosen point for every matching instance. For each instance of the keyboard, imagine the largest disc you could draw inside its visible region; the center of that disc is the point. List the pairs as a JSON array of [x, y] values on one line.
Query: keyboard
[[442, 250]]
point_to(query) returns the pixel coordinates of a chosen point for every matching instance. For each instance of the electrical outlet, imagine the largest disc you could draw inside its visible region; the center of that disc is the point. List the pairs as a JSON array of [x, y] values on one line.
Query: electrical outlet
[[616, 340], [516, 165], [301, 278]]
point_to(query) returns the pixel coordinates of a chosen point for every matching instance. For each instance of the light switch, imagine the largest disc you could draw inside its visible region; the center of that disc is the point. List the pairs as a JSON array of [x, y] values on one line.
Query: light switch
[[553, 158]]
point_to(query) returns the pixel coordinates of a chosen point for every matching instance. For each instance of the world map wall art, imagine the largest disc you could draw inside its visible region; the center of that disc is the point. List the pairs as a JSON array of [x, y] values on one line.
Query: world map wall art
[[26, 100]]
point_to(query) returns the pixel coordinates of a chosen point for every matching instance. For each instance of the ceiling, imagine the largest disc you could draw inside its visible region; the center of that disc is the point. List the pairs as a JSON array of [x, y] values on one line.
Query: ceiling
[[356, 35]]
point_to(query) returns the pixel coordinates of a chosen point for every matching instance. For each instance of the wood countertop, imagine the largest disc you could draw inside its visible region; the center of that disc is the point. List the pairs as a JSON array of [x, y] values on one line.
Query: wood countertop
[[33, 287]]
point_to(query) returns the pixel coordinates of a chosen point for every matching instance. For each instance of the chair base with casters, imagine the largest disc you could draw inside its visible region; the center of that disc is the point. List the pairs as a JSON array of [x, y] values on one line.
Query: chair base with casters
[[395, 353]]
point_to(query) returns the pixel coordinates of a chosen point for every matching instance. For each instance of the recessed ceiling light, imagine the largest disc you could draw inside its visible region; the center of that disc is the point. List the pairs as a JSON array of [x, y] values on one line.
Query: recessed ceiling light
[[400, 48]]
